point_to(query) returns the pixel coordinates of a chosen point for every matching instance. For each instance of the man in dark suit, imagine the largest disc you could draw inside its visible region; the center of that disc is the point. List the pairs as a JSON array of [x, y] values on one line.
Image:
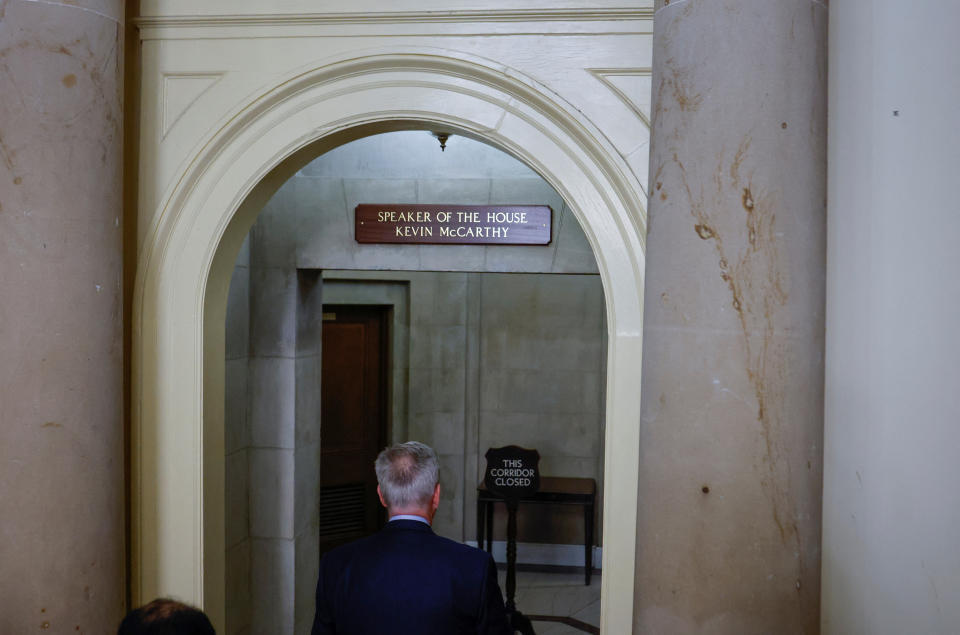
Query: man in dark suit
[[406, 579]]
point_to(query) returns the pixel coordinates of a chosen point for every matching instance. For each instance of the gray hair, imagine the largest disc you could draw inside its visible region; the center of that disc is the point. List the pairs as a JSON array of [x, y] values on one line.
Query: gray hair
[[407, 474]]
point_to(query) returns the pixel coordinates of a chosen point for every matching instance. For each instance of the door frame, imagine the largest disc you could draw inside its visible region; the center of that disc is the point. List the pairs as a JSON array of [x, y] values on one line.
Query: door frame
[[186, 258]]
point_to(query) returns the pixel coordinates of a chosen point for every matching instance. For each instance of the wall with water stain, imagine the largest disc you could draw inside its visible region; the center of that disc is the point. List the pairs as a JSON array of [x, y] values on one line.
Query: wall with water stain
[[730, 477], [61, 435]]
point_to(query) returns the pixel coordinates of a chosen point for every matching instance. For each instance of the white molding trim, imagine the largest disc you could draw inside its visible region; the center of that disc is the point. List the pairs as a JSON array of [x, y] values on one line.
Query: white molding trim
[[539, 553], [197, 202], [603, 75], [618, 14]]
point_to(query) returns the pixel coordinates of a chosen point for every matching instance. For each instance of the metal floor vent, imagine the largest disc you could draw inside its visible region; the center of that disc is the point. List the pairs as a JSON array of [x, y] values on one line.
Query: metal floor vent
[[342, 509]]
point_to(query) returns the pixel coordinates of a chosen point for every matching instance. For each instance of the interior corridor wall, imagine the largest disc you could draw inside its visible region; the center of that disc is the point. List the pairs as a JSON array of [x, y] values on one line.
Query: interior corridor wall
[[489, 360], [237, 443]]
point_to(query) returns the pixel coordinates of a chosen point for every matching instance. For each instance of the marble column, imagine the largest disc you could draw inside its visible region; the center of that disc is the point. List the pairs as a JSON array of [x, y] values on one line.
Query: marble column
[[891, 505], [732, 416], [61, 431]]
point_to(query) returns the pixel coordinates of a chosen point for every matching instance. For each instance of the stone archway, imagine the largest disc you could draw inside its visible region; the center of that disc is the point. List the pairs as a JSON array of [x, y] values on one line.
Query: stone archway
[[186, 259]]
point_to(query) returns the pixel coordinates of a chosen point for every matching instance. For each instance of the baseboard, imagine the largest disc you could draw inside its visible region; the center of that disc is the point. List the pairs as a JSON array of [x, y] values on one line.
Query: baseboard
[[545, 554]]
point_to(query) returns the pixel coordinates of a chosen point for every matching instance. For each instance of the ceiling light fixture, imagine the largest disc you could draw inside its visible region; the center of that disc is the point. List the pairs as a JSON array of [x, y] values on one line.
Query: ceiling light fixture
[[442, 138]]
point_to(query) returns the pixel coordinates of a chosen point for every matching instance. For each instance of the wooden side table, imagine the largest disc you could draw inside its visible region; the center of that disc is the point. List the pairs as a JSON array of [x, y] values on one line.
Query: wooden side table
[[554, 490]]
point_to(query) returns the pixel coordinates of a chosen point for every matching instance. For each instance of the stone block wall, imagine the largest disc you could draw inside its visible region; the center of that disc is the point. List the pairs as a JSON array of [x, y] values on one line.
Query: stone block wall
[[494, 359], [542, 369], [478, 359], [237, 445]]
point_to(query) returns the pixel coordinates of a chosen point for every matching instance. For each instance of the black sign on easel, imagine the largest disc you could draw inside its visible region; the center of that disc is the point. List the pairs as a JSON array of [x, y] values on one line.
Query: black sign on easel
[[513, 473]]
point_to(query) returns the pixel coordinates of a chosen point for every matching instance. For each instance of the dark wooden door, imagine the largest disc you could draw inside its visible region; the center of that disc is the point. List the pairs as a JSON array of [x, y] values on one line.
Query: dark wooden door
[[353, 421]]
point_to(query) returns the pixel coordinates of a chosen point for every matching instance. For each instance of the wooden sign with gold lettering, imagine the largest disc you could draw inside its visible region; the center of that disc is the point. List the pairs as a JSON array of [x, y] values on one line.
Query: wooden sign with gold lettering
[[454, 224]]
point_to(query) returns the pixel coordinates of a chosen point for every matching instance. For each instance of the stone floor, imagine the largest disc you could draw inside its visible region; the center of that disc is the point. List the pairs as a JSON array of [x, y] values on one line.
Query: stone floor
[[561, 594]]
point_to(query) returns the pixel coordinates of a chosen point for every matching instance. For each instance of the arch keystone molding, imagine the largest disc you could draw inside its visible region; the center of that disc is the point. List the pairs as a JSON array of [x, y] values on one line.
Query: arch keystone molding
[[186, 258]]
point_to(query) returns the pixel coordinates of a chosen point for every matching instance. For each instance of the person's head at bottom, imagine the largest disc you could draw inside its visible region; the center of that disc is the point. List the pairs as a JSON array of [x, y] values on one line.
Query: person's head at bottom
[[164, 616], [408, 477]]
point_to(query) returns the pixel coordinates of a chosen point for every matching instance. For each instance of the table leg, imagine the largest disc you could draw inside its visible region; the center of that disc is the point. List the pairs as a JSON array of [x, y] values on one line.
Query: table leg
[[588, 542], [489, 516], [480, 509]]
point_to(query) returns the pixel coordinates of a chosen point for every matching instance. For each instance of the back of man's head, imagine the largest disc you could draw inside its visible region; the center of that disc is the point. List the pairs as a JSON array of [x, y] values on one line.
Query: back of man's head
[[407, 474], [166, 617]]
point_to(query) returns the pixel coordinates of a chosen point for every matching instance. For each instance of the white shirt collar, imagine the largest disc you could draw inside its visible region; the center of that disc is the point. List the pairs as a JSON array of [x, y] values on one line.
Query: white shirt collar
[[409, 517]]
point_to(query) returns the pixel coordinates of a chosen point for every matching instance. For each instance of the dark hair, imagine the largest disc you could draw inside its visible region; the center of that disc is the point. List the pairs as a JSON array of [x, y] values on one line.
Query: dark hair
[[164, 616]]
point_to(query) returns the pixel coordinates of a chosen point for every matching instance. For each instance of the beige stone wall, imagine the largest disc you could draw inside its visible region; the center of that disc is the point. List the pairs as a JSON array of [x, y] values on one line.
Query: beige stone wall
[[272, 444], [61, 432], [479, 360], [495, 359], [308, 223], [541, 374], [237, 444]]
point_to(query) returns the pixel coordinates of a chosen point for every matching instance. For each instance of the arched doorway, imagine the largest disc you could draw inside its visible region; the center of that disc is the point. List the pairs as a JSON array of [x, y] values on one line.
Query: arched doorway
[[187, 255]]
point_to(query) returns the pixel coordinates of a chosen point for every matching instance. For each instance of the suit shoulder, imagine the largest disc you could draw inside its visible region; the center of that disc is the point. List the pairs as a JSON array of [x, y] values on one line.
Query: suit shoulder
[[343, 553], [465, 552]]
